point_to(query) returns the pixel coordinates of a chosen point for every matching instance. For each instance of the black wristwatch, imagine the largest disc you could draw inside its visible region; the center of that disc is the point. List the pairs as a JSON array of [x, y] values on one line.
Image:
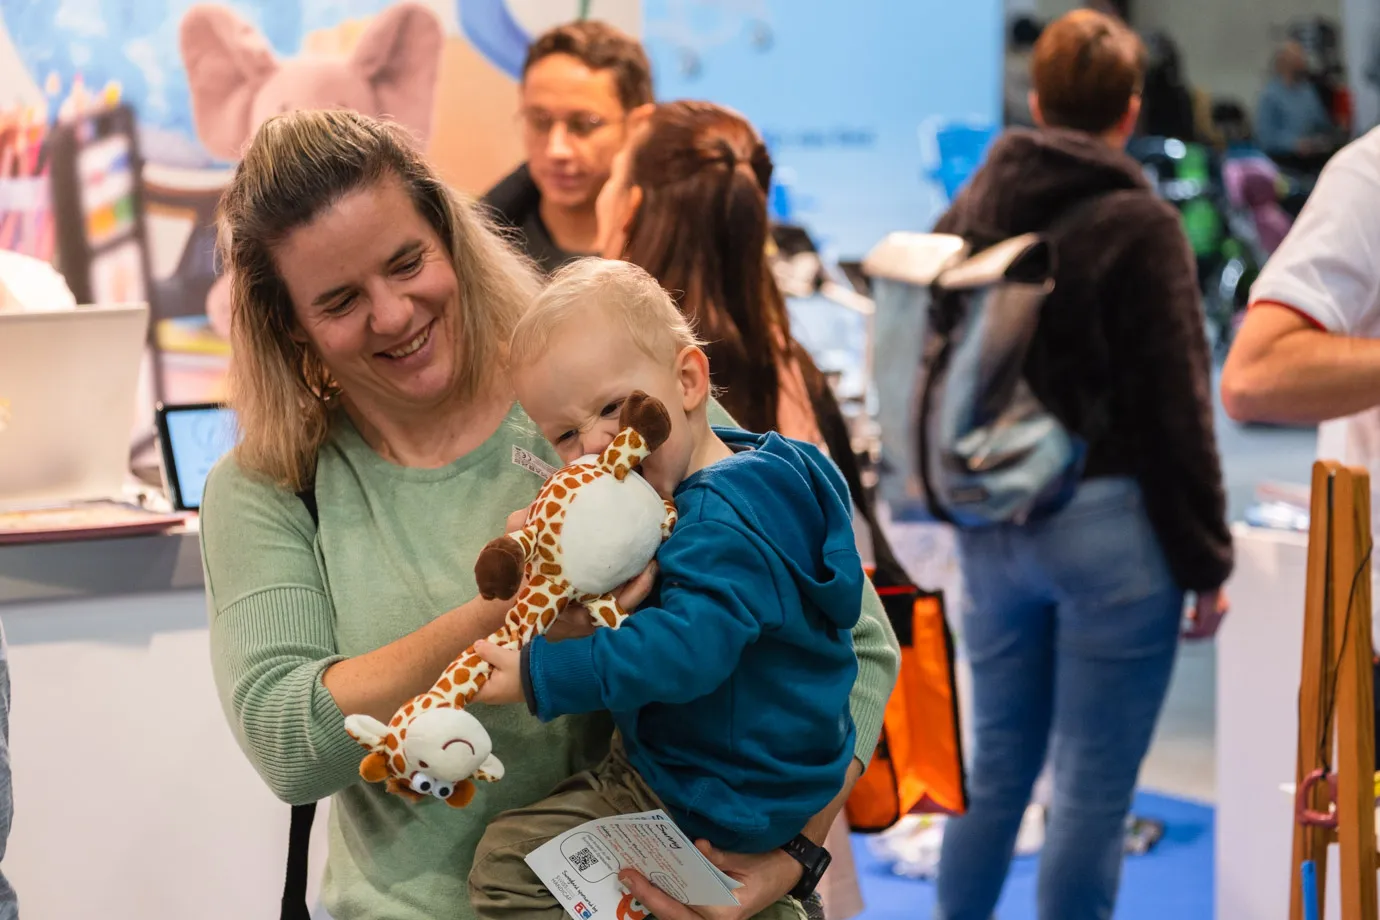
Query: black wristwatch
[[815, 859]]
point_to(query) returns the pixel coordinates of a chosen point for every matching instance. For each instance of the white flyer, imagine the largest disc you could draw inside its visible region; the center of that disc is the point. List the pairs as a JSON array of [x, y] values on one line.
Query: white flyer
[[580, 867]]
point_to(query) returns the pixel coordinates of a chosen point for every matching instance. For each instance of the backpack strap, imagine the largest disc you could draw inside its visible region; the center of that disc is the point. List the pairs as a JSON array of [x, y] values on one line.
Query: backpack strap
[[294, 905]]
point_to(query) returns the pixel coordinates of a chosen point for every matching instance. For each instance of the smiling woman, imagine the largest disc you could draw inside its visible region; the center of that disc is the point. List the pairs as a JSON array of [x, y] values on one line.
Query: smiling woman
[[371, 318]]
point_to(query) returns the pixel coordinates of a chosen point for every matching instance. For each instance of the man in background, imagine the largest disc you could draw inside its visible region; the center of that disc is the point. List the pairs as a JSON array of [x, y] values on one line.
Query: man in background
[[581, 84], [1309, 349], [1292, 124]]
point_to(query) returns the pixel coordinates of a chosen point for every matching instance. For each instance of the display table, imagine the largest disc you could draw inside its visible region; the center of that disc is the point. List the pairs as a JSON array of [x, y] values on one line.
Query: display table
[[1259, 661], [132, 799]]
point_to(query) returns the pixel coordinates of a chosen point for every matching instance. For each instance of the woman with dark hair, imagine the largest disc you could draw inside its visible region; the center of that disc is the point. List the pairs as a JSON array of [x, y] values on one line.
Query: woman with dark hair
[[687, 201]]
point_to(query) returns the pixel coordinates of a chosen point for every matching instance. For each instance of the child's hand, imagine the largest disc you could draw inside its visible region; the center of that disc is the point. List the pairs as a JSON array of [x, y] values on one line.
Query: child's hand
[[505, 682], [516, 521]]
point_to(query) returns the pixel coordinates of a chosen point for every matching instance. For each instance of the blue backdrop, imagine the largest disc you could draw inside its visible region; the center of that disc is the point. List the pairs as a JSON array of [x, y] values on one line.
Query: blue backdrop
[[850, 97]]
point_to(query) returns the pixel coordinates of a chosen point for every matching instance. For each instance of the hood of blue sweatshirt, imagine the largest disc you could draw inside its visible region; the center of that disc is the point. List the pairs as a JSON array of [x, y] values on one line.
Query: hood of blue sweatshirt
[[792, 498]]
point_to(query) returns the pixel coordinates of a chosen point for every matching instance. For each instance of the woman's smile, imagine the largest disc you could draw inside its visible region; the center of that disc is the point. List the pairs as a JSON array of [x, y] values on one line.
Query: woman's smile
[[414, 348]]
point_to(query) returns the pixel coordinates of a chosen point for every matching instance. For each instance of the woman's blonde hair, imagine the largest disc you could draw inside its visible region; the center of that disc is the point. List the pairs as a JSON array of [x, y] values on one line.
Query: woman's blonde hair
[[298, 166]]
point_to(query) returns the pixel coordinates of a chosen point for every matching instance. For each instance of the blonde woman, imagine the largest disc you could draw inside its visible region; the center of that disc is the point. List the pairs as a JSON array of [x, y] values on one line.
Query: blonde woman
[[370, 312]]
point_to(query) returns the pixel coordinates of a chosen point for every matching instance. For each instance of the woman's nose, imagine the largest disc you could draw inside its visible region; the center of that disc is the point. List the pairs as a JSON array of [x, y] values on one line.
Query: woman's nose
[[391, 313]]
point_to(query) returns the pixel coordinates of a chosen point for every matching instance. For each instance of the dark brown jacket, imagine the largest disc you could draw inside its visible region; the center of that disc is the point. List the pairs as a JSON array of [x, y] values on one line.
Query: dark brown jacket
[[1120, 355]]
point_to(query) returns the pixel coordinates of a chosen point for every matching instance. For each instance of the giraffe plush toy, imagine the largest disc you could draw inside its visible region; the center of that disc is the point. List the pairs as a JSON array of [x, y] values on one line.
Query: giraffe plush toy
[[591, 528]]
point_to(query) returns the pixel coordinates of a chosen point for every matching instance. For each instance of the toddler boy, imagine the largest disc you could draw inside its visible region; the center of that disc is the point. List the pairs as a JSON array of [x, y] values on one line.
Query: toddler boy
[[730, 686]]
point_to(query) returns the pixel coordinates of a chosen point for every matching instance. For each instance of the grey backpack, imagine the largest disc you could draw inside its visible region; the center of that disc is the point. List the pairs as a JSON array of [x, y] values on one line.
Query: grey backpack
[[986, 450]]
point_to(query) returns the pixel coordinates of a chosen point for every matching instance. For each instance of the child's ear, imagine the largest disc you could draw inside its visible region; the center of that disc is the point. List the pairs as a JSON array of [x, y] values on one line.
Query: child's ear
[[692, 372]]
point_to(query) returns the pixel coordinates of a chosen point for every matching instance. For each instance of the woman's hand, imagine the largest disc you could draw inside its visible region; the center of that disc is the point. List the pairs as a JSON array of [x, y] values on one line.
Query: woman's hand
[[504, 685], [766, 878], [575, 621], [1205, 616], [516, 521]]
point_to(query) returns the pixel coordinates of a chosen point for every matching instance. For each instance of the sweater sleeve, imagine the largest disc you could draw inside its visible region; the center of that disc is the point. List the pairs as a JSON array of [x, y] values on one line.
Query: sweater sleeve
[[874, 644], [273, 636], [1168, 380], [674, 653]]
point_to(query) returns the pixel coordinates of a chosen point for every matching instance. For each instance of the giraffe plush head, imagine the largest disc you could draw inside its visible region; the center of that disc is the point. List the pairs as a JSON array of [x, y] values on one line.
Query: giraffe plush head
[[592, 527]]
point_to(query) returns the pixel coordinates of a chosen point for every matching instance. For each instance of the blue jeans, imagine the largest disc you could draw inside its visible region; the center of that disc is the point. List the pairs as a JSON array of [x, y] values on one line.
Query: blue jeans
[[1071, 631]]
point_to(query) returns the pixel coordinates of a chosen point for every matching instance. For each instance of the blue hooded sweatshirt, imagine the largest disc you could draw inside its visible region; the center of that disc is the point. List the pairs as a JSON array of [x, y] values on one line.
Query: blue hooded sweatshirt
[[730, 686]]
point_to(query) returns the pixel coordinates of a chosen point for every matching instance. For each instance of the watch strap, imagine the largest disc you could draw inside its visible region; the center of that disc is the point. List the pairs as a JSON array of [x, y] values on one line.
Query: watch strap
[[813, 858]]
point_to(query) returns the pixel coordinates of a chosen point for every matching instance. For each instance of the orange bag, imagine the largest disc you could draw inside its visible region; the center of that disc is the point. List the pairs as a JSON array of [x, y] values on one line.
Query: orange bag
[[918, 765]]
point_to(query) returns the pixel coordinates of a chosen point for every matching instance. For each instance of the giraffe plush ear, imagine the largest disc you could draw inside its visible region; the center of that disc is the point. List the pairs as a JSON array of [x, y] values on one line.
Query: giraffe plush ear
[[367, 730], [463, 794], [374, 767], [490, 771]]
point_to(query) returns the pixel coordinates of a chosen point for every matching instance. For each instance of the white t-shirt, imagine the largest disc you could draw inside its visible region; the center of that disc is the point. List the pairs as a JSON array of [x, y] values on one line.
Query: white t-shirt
[[1328, 269]]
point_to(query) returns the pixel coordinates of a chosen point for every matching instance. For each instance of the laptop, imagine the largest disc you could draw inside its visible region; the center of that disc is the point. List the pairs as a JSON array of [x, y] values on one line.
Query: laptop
[[68, 389]]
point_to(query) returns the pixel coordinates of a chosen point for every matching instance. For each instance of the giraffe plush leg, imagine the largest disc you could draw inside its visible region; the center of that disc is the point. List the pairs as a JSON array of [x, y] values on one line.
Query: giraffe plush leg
[[645, 426], [669, 523], [605, 611]]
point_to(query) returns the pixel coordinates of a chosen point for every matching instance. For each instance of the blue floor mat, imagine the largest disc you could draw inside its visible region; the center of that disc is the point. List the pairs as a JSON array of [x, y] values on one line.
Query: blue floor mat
[[1173, 880]]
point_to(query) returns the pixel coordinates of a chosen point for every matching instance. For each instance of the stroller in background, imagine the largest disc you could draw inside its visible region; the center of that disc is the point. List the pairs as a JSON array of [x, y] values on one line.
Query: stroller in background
[[1233, 216]]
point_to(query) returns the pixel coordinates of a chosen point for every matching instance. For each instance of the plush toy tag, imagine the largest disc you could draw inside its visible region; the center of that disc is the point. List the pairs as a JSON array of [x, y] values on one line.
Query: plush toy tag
[[532, 463]]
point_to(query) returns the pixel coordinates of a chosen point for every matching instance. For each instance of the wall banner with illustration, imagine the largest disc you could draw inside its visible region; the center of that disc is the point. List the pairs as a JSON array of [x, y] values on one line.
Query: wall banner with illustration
[[874, 112]]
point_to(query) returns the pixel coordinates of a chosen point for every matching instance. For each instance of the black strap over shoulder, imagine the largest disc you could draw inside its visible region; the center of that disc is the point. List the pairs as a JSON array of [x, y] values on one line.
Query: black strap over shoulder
[[893, 583], [294, 906]]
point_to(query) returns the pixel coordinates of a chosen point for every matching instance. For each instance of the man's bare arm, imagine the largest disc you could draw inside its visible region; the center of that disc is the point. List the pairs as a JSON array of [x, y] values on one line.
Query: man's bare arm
[[1285, 370]]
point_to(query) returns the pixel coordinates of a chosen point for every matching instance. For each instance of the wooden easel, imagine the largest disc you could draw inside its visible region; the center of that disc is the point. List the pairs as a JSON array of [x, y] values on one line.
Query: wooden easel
[[1336, 791]]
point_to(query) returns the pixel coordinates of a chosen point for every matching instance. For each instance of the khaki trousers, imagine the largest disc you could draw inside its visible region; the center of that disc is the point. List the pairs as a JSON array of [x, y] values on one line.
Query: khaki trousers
[[503, 887]]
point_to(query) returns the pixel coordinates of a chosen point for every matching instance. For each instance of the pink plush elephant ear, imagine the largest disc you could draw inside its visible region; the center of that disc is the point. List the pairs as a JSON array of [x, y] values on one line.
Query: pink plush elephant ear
[[399, 55], [227, 61]]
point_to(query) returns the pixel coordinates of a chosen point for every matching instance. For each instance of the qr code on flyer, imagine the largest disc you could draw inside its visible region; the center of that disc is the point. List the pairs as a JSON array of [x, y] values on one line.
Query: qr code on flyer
[[583, 860]]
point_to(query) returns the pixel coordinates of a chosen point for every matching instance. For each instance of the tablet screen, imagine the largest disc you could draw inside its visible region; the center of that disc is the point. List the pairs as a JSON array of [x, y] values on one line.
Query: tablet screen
[[197, 438]]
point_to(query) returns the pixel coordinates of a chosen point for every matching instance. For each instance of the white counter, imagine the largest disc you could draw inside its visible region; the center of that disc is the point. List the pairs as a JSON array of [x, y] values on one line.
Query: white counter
[[1259, 661], [132, 800]]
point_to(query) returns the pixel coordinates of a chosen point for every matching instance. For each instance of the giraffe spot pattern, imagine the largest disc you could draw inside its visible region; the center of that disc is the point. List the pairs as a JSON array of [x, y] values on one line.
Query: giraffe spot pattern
[[426, 703], [552, 509], [559, 491], [551, 569], [443, 685], [536, 581], [587, 477], [620, 472], [609, 618], [403, 734], [399, 765], [549, 539], [539, 600], [480, 680], [392, 742], [462, 676], [547, 619]]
